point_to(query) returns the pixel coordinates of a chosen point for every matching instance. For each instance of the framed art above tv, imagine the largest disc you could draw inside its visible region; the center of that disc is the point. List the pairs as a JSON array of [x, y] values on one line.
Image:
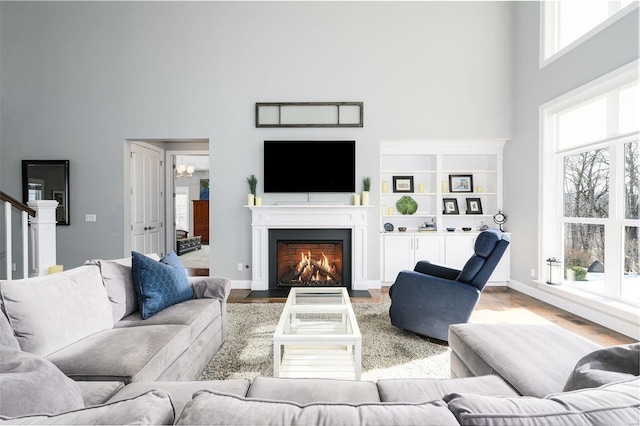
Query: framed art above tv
[[309, 114]]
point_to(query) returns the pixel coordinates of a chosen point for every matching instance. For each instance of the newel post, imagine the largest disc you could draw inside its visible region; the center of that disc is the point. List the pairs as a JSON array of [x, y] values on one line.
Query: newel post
[[43, 236]]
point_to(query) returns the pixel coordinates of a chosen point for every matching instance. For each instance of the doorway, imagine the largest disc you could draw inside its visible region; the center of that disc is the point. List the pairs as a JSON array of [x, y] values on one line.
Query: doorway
[[168, 179], [189, 208]]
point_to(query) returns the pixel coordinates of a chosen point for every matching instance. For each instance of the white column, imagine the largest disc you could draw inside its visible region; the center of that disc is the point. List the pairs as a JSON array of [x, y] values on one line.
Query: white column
[[8, 242], [43, 236]]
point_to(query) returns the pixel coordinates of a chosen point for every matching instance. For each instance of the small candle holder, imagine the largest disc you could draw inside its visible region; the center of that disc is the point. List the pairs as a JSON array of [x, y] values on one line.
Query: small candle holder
[[554, 275]]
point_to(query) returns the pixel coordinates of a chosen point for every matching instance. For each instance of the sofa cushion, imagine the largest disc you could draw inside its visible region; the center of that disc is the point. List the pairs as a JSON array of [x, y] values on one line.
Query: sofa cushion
[[30, 384], [304, 391], [118, 281], [534, 359], [195, 313], [612, 404], [50, 312], [7, 336], [98, 392], [182, 392], [151, 408], [213, 408], [604, 366], [135, 354], [159, 284], [419, 390]]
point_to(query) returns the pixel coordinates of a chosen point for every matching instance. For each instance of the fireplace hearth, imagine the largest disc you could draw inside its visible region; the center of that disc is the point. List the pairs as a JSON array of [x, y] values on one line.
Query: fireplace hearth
[[309, 257]]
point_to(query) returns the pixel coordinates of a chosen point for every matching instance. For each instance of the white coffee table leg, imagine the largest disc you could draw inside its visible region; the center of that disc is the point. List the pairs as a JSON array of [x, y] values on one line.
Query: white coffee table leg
[[276, 359], [357, 360]]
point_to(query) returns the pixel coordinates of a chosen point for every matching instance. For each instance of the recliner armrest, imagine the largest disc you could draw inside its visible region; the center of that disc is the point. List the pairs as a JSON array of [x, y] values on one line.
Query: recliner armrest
[[441, 271], [210, 288]]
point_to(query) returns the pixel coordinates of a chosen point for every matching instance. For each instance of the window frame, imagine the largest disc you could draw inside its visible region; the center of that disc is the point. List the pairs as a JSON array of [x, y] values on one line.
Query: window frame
[[549, 29], [551, 191]]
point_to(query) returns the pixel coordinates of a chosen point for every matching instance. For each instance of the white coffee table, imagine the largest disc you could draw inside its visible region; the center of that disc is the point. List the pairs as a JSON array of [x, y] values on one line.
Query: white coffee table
[[317, 335]]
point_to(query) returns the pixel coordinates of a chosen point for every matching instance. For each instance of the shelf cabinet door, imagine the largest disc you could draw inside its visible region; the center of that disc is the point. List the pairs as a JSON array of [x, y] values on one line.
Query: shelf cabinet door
[[401, 252], [429, 247], [404, 251], [458, 249], [398, 255]]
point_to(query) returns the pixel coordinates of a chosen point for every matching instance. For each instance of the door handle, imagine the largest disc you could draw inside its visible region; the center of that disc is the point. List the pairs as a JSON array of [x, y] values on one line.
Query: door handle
[[148, 227]]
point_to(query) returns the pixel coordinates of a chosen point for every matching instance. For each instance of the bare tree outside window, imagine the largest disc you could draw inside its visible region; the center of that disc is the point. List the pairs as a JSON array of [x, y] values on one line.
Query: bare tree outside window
[[586, 195], [586, 184], [632, 207]]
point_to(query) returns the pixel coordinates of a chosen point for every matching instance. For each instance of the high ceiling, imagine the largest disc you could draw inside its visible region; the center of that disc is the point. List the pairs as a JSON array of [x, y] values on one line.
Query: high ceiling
[[199, 162]]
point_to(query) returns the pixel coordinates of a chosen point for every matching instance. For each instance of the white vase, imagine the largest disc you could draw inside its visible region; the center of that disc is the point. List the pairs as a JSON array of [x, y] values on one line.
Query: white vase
[[571, 275], [251, 199], [365, 198]]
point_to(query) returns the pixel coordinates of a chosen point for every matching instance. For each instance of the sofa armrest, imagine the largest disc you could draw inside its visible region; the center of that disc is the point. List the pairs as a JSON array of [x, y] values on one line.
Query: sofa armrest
[[210, 287]]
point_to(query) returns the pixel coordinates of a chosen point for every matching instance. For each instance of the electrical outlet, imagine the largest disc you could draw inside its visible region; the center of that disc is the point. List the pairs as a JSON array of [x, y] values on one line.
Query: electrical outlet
[[239, 266], [90, 218], [533, 272]]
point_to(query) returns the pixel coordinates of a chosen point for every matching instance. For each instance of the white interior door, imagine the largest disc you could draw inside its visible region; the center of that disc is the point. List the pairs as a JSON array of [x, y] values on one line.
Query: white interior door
[[147, 200]]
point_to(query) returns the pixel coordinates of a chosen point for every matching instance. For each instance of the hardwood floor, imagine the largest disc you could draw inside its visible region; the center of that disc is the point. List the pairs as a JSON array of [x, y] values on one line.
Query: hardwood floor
[[498, 305]]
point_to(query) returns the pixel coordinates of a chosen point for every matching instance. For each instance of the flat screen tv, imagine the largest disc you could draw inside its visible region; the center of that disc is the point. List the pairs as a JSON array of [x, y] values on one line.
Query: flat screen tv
[[309, 166]]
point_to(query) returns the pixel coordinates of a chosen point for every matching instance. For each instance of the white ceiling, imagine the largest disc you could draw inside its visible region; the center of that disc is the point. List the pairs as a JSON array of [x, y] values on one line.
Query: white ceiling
[[200, 162]]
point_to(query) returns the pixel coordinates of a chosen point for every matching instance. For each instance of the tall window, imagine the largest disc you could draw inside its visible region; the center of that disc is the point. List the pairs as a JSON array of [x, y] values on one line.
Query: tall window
[[567, 23], [631, 286], [591, 185], [182, 208]]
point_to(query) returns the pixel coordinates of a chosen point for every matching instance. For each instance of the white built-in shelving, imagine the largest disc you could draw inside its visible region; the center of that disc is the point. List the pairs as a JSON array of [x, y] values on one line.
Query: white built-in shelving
[[429, 164]]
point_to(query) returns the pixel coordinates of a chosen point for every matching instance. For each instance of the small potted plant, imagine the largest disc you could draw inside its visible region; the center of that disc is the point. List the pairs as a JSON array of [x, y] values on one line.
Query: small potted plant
[[253, 184], [366, 187]]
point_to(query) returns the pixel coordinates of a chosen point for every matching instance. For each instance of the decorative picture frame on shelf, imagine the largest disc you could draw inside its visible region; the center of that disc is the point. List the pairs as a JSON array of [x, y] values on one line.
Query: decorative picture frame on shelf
[[474, 206], [450, 206], [403, 184], [460, 183]]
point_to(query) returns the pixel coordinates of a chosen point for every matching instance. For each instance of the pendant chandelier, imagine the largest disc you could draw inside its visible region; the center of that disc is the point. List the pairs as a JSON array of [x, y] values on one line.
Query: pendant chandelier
[[184, 171]]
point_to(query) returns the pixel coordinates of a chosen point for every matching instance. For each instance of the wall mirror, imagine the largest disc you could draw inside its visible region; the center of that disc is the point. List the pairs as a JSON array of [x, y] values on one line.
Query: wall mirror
[[47, 180]]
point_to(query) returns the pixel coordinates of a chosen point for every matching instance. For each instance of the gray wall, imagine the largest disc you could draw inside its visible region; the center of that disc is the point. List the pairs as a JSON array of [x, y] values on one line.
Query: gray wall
[[79, 78], [532, 87]]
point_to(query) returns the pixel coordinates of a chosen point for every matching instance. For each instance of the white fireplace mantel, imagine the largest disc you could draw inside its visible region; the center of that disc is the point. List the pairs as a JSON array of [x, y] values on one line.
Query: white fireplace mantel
[[308, 216]]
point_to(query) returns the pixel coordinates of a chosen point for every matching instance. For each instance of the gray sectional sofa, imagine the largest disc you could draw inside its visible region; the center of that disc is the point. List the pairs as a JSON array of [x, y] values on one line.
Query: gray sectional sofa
[[501, 374], [86, 321]]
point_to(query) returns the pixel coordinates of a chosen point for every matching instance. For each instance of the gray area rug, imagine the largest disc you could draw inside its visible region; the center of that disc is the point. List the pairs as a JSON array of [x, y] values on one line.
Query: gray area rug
[[196, 258], [387, 351]]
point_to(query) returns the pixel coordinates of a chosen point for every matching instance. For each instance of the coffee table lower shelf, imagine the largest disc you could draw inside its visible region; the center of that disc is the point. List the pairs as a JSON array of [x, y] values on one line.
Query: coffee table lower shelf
[[319, 362]]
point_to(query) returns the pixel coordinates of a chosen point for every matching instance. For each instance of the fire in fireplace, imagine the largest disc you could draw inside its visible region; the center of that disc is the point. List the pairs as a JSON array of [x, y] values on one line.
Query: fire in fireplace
[[309, 263], [309, 257]]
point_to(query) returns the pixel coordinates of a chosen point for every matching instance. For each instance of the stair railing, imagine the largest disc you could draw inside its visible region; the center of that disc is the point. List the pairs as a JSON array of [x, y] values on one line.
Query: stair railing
[[42, 231]]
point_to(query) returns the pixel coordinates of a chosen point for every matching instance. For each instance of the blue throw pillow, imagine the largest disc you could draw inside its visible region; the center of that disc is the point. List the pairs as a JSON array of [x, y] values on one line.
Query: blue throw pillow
[[159, 284]]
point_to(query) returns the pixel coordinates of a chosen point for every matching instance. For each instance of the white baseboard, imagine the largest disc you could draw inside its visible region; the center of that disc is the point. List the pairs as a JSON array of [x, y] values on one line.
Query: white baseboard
[[610, 315], [241, 285]]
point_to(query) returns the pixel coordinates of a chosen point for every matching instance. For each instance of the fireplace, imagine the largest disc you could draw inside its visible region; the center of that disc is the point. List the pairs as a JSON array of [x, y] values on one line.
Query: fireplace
[[309, 257]]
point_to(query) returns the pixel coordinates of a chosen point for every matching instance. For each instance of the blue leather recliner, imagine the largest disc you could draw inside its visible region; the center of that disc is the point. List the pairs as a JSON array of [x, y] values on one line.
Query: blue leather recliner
[[431, 297]]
